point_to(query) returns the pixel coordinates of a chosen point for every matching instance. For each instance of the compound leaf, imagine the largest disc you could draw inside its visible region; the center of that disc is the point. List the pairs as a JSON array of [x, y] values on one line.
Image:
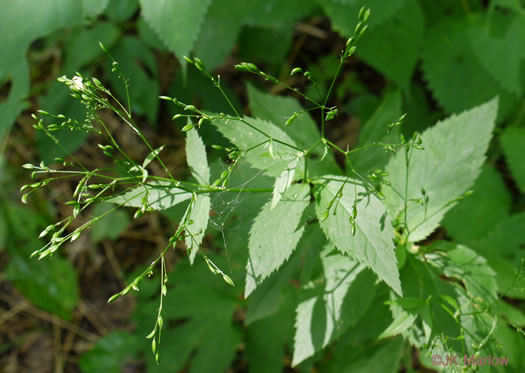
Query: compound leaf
[[275, 234], [371, 243], [459, 140]]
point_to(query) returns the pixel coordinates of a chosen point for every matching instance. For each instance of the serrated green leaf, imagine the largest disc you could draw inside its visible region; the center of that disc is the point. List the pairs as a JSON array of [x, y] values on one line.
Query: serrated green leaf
[[137, 63], [458, 81], [245, 137], [473, 217], [502, 247], [49, 284], [323, 317], [343, 13], [372, 243], [461, 139], [196, 157], [266, 340], [110, 352], [400, 37], [375, 130], [464, 264], [220, 29], [207, 338], [304, 132], [283, 182], [176, 22], [490, 39], [401, 323], [274, 235], [111, 225], [160, 195], [513, 142], [277, 109], [200, 213]]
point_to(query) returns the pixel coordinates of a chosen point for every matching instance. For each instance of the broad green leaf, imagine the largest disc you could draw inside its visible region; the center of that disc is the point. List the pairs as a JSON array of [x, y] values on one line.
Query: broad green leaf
[[220, 29], [382, 357], [121, 10], [198, 321], [177, 22], [283, 182], [375, 130], [459, 140], [322, 316], [111, 225], [343, 13], [216, 350], [272, 13], [138, 65], [159, 195], [200, 213], [57, 100], [93, 8], [435, 321], [401, 323], [82, 47], [474, 216], [196, 157], [255, 41], [49, 284], [491, 38], [20, 24], [266, 340], [277, 109], [467, 266], [268, 297], [303, 131], [110, 353], [502, 246], [274, 235], [372, 242], [244, 136], [400, 37], [275, 290], [457, 80], [513, 142]]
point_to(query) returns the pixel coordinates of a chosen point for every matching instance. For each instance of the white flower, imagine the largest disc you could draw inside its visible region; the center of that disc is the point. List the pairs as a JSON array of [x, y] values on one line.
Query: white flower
[[77, 83]]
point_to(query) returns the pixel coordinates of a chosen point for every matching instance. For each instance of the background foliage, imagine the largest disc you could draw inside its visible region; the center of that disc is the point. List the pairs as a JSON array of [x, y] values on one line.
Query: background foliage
[[430, 59]]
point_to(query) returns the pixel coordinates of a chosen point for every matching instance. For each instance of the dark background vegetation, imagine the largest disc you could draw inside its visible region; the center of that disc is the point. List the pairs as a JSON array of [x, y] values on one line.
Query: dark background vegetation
[[442, 56]]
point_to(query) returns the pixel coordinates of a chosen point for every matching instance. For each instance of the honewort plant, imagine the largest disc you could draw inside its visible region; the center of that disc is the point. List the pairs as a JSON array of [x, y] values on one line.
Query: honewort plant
[[371, 223]]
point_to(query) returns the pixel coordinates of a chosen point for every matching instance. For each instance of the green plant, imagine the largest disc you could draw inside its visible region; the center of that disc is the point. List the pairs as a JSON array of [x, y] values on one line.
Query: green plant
[[368, 223]]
